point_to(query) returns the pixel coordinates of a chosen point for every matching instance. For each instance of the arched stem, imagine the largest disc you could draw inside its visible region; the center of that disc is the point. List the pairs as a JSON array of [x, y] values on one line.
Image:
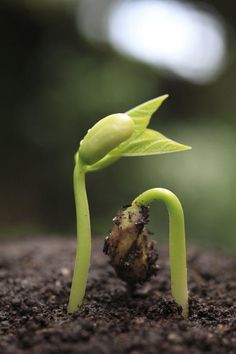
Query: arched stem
[[83, 247], [177, 248]]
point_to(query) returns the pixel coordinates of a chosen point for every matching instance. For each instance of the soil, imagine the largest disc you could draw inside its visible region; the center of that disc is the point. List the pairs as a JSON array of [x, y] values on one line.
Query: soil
[[35, 278]]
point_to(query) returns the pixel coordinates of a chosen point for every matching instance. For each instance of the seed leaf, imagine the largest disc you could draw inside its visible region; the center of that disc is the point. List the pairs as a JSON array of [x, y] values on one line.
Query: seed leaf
[[150, 142], [141, 114], [143, 141]]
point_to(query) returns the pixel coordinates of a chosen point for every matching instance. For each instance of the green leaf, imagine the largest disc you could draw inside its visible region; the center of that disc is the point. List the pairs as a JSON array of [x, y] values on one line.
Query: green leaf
[[141, 114], [150, 142], [143, 141]]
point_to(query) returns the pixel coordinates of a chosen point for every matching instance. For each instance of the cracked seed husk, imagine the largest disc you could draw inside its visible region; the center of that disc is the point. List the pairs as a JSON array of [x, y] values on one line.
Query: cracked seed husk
[[132, 255]]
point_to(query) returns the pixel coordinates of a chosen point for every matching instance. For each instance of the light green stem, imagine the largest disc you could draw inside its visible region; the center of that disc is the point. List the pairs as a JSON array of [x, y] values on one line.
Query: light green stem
[[83, 249], [177, 248]]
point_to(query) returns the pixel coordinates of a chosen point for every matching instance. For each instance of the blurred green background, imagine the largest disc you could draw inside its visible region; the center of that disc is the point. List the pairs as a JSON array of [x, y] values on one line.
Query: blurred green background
[[65, 64]]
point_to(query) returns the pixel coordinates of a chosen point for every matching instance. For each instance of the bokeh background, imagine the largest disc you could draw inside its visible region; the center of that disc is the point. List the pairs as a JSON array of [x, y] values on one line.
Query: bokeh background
[[64, 64]]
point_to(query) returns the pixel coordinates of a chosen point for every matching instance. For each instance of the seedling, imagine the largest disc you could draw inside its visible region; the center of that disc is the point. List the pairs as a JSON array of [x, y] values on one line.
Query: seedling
[[108, 140], [134, 257]]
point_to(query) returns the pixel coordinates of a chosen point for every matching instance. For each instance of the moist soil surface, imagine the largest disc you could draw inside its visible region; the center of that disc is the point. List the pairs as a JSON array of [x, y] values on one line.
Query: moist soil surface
[[35, 278]]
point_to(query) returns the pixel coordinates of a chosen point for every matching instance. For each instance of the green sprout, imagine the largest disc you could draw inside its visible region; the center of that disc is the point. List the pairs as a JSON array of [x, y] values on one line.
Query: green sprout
[[134, 257], [177, 248], [108, 140]]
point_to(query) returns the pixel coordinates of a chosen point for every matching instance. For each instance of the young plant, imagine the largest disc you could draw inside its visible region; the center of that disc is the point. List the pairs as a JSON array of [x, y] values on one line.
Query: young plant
[[134, 257], [108, 140]]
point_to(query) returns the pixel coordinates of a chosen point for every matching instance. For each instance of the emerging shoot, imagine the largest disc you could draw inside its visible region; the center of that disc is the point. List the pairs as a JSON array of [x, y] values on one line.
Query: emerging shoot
[[107, 134], [135, 262], [115, 136]]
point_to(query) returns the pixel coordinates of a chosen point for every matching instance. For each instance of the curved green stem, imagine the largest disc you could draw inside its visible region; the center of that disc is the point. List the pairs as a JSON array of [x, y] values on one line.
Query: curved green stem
[[83, 249], [177, 248]]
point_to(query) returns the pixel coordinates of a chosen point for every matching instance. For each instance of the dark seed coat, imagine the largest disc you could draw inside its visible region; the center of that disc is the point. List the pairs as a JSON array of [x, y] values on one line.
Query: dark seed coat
[[132, 255]]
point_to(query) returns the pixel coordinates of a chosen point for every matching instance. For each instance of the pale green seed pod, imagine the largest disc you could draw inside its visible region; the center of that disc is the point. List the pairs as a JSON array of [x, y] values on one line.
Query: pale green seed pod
[[104, 136]]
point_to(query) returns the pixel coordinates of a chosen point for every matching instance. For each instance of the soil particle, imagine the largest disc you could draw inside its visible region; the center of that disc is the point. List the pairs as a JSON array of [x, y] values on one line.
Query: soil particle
[[35, 278]]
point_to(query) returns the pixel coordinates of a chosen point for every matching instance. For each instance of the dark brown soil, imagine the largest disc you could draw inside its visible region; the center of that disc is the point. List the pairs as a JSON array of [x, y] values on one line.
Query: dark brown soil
[[34, 285]]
